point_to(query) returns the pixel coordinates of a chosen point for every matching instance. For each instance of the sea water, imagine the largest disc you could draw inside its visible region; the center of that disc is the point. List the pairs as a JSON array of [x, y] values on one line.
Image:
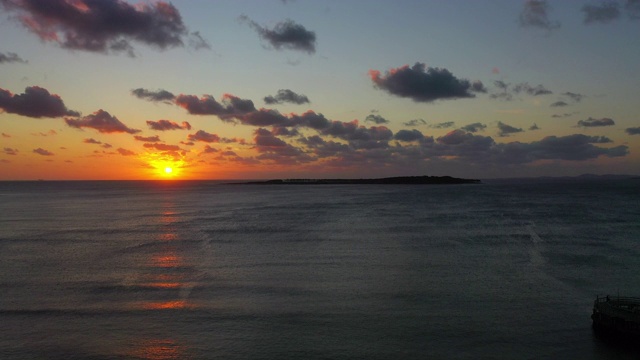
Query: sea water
[[203, 270]]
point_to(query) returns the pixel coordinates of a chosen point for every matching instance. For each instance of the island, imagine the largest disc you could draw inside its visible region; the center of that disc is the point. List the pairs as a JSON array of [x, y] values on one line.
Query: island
[[409, 180]]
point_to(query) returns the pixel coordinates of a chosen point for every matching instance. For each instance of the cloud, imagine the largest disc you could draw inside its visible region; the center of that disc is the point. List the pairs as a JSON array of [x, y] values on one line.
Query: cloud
[[531, 90], [125, 152], [603, 13], [43, 152], [209, 150], [507, 91], [573, 96], [562, 115], [534, 127], [424, 84], [5, 135], [272, 148], [575, 147], [408, 135], [506, 130], [559, 104], [285, 35], [10, 151], [473, 128], [36, 102], [442, 125], [91, 141], [633, 130], [591, 122], [229, 107], [415, 122], [161, 147], [155, 96], [376, 119], [164, 125], [476, 149], [10, 57], [149, 139], [101, 121], [204, 136], [535, 14], [101, 26], [197, 42], [286, 95]]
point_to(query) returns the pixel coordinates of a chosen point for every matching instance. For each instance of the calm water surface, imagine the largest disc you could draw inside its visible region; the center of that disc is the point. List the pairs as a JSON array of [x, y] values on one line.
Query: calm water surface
[[198, 270]]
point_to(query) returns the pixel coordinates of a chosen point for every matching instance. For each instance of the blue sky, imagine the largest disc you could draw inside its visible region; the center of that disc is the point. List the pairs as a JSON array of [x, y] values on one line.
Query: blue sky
[[548, 88]]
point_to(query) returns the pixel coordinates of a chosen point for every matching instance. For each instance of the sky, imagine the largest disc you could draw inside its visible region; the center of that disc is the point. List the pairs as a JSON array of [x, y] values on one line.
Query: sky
[[266, 89]]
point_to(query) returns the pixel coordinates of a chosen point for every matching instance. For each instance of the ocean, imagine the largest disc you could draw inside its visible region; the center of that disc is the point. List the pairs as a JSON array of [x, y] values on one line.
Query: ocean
[[207, 270]]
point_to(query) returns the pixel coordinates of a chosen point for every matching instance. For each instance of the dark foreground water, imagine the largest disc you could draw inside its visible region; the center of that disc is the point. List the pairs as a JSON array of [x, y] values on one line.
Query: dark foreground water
[[197, 270]]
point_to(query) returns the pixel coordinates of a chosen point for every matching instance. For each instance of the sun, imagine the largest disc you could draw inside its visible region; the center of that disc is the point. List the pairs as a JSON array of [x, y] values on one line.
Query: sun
[[168, 170]]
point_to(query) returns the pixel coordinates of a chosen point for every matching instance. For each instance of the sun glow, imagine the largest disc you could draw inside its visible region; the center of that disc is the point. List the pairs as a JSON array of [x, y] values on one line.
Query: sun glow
[[168, 170]]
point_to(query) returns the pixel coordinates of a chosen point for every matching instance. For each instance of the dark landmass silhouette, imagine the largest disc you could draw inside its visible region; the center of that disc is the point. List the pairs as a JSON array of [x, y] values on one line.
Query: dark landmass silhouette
[[411, 180]]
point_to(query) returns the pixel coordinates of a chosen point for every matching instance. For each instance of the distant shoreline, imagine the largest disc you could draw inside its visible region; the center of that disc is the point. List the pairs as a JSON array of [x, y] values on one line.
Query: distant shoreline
[[409, 180]]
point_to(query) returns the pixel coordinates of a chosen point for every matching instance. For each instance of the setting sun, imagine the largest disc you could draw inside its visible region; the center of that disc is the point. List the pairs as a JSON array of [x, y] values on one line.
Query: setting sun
[[168, 170]]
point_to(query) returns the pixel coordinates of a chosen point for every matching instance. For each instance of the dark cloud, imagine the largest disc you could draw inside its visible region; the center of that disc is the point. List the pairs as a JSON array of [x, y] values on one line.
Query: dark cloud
[[531, 90], [423, 84], [204, 136], [376, 119], [415, 122], [209, 150], [274, 149], [283, 131], [534, 127], [408, 135], [6, 135], [475, 127], [286, 95], [161, 147], [602, 13], [197, 42], [591, 122], [562, 115], [101, 26], [164, 125], [125, 152], [573, 96], [481, 150], [285, 35], [507, 91], [442, 125], [156, 96], [149, 139], [506, 130], [559, 104], [536, 14], [10, 151], [230, 106], [36, 102], [91, 141], [101, 121], [43, 152], [633, 130], [10, 57], [575, 147]]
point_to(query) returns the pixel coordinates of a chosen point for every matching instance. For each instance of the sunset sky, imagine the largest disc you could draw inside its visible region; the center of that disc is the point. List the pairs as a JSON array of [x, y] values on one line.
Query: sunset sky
[[262, 89]]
